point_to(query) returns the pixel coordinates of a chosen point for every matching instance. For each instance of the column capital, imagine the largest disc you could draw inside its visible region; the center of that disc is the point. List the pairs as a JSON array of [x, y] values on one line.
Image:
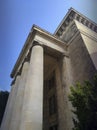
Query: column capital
[[18, 73], [14, 80], [36, 43], [66, 54], [27, 58]]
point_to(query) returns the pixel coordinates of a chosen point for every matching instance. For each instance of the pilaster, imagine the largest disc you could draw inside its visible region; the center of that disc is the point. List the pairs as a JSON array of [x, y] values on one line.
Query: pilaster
[[66, 83]]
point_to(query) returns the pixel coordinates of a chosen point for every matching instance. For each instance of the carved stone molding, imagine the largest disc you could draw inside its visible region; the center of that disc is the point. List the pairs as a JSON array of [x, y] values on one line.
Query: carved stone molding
[[27, 58], [18, 74], [70, 32], [36, 43], [74, 15], [13, 81]]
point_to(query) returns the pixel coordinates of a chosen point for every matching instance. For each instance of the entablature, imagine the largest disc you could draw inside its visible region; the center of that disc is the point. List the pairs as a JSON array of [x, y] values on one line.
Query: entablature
[[50, 43], [71, 15]]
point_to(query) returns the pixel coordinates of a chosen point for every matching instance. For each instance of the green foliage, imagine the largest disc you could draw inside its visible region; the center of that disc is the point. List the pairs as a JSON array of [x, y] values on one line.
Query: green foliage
[[84, 100], [3, 100]]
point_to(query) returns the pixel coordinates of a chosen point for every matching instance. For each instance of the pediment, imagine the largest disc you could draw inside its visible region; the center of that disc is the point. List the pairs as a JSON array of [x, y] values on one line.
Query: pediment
[[66, 27]]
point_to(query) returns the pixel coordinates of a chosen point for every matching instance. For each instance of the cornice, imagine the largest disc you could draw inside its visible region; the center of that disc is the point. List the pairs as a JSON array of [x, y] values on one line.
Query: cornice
[[29, 43], [88, 35], [70, 32], [71, 15], [23, 53], [47, 34]]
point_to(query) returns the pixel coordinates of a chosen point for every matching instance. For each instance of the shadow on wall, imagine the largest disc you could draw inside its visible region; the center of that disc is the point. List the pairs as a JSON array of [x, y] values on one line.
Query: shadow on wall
[[94, 58]]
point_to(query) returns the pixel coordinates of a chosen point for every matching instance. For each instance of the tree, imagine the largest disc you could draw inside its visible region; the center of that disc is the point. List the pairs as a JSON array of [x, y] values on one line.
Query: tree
[[84, 100], [3, 100]]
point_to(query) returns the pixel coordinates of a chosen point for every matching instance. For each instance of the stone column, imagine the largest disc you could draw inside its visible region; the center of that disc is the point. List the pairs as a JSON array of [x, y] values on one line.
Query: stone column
[[32, 111], [10, 105], [16, 115]]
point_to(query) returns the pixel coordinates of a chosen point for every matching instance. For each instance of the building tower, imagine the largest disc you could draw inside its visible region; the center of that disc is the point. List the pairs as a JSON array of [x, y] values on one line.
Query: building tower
[[45, 69]]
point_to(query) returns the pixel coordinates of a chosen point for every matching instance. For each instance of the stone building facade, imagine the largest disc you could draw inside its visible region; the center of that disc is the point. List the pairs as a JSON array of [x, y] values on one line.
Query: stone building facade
[[45, 69]]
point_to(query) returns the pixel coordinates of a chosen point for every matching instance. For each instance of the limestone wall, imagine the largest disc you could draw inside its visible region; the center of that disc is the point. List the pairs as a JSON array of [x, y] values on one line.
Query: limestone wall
[[90, 39], [81, 62]]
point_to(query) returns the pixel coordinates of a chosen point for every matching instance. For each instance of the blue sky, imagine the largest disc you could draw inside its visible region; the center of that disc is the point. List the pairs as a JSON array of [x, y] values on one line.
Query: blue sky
[[17, 18]]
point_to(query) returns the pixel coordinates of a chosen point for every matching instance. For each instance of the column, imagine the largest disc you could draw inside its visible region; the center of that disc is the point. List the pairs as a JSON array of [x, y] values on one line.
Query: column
[[16, 115], [4, 121], [32, 111], [10, 104]]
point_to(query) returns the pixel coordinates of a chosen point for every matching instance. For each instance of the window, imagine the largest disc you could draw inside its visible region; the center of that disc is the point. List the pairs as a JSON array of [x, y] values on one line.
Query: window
[[53, 127], [52, 105], [51, 82]]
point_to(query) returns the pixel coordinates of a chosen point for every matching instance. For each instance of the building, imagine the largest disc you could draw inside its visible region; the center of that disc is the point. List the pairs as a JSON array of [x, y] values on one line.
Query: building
[[45, 69]]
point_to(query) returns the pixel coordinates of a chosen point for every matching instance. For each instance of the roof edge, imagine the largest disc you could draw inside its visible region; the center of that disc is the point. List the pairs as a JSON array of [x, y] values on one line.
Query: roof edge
[[71, 15], [28, 43]]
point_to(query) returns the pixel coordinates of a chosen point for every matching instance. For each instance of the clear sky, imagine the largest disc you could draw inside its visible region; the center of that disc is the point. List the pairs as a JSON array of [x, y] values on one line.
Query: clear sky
[[17, 18]]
